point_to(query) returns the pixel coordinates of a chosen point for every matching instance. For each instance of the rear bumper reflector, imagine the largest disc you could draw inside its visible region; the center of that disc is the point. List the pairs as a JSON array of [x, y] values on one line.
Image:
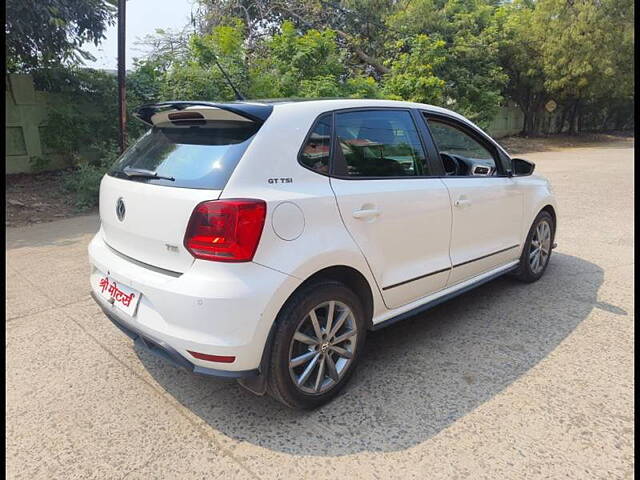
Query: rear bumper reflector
[[212, 358]]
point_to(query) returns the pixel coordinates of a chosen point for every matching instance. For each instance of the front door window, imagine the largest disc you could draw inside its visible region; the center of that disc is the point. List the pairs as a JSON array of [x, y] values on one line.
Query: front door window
[[461, 154]]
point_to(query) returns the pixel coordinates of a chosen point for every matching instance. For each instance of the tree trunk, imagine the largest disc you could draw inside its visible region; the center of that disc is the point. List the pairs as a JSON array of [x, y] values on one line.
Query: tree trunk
[[377, 65], [528, 125], [579, 119], [525, 123], [607, 118], [563, 117], [572, 118], [620, 121], [547, 123]]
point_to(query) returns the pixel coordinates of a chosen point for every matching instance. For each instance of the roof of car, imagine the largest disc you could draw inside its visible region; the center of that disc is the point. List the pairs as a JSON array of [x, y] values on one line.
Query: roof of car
[[339, 103], [260, 110], [331, 101]]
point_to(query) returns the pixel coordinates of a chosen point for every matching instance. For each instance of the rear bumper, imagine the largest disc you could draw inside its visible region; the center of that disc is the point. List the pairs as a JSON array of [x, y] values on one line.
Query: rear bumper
[[213, 308], [162, 349]]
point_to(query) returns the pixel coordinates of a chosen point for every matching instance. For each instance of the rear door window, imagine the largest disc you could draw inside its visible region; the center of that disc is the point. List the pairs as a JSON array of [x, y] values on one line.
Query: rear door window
[[379, 143], [196, 156]]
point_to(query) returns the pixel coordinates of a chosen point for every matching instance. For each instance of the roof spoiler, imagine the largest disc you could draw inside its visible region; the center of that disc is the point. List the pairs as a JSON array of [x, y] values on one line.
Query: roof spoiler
[[255, 112]]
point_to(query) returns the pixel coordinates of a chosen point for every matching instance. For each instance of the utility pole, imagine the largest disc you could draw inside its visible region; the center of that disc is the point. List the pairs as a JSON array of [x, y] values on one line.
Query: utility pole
[[122, 99]]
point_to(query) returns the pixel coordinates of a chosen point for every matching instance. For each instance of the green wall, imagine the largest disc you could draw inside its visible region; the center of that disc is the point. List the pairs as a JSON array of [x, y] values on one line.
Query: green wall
[[25, 114], [508, 121]]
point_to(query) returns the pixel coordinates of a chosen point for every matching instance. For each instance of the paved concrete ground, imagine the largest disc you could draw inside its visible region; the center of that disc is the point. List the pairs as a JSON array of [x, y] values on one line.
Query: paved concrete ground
[[507, 381]]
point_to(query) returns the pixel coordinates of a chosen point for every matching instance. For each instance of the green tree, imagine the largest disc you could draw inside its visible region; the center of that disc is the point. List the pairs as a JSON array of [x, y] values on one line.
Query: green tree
[[473, 78], [45, 32], [302, 65], [357, 24], [587, 52], [412, 76], [309, 64], [520, 56], [183, 66], [164, 50]]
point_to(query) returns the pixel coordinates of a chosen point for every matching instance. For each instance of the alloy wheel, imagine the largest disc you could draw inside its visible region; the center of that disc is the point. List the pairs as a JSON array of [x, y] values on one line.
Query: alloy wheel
[[323, 347], [540, 247]]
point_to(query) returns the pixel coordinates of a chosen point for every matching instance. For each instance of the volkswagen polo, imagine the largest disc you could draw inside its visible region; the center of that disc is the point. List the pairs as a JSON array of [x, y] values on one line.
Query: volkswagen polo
[[262, 240]]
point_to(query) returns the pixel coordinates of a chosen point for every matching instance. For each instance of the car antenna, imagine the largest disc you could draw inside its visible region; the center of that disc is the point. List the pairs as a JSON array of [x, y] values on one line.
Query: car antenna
[[239, 96]]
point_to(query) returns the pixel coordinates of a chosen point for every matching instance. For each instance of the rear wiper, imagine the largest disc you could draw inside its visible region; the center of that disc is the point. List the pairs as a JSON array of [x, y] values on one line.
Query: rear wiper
[[139, 172]]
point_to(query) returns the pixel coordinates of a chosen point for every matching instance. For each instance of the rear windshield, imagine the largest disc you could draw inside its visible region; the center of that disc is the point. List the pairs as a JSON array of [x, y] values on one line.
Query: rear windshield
[[202, 156]]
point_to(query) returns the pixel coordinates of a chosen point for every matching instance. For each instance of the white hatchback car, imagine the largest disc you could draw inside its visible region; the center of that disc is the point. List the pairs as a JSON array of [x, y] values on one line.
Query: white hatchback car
[[261, 241]]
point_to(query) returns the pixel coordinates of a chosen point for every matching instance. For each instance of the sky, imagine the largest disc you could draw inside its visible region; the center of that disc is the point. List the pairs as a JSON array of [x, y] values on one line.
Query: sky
[[142, 17]]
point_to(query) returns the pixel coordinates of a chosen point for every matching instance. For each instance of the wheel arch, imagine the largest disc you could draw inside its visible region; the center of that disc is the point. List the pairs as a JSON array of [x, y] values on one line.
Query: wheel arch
[[352, 278], [552, 211]]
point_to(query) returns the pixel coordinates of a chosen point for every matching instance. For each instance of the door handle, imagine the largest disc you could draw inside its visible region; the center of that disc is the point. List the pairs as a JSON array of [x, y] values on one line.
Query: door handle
[[366, 213], [462, 202]]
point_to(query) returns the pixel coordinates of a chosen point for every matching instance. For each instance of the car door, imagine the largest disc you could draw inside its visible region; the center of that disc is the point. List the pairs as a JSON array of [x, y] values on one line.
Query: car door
[[399, 216], [487, 204]]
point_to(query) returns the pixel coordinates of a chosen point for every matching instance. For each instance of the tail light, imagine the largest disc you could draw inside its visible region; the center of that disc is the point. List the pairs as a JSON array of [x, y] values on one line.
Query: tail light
[[225, 230]]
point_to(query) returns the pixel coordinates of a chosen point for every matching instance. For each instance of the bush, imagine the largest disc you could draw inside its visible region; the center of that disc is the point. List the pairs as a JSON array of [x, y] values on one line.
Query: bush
[[38, 163], [84, 182]]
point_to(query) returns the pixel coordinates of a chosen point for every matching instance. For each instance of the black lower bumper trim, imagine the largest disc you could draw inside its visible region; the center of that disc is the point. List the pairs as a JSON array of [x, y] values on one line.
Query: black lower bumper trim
[[166, 352]]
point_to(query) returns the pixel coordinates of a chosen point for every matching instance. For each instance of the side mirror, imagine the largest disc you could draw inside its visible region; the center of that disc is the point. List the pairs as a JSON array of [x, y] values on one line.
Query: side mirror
[[521, 167]]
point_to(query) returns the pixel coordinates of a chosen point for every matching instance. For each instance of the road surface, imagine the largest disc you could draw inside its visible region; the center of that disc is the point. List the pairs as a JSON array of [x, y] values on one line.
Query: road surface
[[508, 381]]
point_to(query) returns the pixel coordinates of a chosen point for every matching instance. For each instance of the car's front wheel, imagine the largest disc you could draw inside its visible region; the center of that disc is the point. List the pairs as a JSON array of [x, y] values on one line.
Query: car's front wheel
[[537, 249], [319, 337]]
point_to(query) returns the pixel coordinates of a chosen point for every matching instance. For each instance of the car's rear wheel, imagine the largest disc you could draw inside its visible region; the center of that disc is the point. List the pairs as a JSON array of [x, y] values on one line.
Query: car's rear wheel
[[537, 249], [319, 336]]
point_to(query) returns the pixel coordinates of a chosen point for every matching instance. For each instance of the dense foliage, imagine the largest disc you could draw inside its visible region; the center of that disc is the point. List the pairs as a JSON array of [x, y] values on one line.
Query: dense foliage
[[41, 33], [471, 56]]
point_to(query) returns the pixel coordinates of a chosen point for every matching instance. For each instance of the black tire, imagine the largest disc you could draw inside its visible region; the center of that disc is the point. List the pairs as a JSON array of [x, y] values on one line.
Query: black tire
[[525, 272], [293, 315]]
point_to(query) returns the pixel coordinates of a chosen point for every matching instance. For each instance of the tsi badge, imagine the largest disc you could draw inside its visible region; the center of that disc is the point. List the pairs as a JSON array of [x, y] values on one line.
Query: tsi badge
[[120, 209], [171, 248], [280, 180]]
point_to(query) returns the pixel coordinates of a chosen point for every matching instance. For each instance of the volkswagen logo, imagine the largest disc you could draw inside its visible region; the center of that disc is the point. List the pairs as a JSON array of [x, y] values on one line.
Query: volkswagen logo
[[120, 209]]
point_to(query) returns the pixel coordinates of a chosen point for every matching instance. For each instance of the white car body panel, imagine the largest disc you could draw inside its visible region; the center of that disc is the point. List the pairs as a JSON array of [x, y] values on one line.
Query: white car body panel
[[229, 308], [407, 239], [537, 193], [487, 218], [156, 217], [206, 309]]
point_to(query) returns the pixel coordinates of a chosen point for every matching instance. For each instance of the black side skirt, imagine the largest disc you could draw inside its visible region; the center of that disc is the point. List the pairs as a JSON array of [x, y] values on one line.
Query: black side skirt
[[439, 300]]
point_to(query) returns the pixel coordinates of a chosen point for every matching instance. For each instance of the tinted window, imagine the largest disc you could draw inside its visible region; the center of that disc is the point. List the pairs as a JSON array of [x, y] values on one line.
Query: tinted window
[[461, 154], [380, 143], [201, 156], [316, 150]]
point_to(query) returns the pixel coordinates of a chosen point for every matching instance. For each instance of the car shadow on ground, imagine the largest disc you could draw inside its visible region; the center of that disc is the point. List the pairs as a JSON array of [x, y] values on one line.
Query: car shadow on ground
[[416, 377]]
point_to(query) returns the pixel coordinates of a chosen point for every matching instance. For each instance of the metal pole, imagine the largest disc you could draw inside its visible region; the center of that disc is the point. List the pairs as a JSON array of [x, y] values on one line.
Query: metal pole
[[122, 100]]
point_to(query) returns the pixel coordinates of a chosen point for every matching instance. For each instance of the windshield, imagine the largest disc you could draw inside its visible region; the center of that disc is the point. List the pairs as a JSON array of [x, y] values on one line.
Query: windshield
[[202, 156]]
